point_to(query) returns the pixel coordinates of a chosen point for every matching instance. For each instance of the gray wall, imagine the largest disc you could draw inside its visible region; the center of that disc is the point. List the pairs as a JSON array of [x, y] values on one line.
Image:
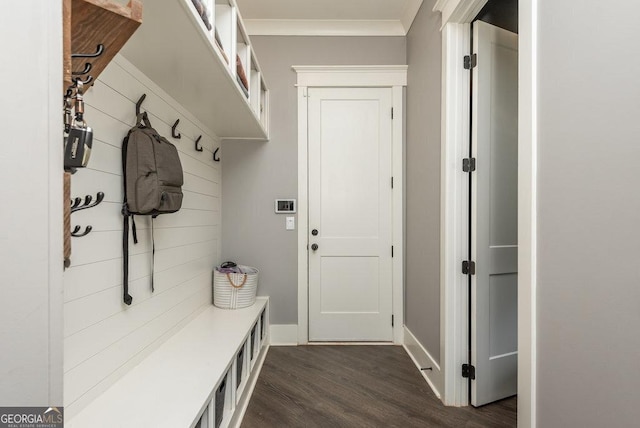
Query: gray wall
[[588, 270], [254, 174], [422, 276]]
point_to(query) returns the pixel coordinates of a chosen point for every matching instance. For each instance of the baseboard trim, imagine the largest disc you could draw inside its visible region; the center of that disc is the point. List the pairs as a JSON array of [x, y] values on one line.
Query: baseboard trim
[[351, 344], [283, 334], [241, 408], [421, 358]]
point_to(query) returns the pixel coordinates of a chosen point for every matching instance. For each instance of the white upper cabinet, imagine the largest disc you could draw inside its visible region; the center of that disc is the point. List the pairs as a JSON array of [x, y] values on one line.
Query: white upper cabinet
[[200, 54]]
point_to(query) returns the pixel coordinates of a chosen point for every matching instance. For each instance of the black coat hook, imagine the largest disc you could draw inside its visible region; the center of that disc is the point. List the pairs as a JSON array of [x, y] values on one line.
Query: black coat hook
[[216, 158], [175, 134], [75, 234], [198, 146], [139, 104], [99, 51], [84, 82], [87, 202], [75, 202], [87, 68]]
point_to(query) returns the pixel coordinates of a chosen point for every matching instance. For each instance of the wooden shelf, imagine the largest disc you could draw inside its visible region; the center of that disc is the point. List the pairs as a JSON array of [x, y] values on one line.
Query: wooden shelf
[[175, 50], [94, 22]]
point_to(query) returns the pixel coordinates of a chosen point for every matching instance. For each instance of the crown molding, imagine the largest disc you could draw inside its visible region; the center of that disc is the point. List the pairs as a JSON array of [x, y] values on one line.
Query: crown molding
[[321, 27], [441, 5], [409, 14], [336, 27]]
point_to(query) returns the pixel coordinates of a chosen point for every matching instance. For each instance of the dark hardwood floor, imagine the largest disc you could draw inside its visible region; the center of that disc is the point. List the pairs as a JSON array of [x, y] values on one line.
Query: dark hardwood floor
[[356, 386]]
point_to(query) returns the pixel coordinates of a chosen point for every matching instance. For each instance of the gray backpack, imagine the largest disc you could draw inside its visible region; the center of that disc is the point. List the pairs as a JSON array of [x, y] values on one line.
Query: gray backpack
[[152, 183]]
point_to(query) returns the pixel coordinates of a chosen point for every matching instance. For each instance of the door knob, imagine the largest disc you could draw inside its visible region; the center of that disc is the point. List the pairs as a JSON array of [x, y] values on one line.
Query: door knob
[[314, 247], [314, 232]]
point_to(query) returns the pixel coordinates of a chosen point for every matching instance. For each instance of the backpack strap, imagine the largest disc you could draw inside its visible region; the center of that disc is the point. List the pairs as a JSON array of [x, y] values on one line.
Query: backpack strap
[[126, 297], [153, 255], [125, 254]]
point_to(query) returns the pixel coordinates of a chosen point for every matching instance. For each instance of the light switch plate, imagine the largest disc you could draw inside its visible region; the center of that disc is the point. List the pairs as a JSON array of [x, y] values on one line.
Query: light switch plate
[[291, 223]]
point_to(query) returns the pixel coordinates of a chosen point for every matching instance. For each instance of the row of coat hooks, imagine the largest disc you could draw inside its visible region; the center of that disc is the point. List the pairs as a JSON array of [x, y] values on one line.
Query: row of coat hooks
[[177, 135], [79, 204], [87, 66]]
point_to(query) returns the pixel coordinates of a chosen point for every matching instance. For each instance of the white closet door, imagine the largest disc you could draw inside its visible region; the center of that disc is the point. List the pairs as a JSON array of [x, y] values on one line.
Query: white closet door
[[350, 281], [494, 239]]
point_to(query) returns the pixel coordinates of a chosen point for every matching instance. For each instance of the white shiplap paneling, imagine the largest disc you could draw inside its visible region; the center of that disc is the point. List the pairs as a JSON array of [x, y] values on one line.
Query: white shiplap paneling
[[104, 338]]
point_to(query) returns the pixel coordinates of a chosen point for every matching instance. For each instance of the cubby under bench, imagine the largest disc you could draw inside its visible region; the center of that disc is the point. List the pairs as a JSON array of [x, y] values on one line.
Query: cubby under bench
[[200, 377]]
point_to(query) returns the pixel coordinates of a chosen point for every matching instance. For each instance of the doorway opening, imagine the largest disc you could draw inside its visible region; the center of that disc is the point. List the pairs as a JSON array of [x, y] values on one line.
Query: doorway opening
[[456, 19]]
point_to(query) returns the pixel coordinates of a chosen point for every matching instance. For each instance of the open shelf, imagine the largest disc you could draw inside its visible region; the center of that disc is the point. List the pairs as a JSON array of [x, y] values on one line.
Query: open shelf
[[175, 49], [254, 83], [243, 59], [224, 32]]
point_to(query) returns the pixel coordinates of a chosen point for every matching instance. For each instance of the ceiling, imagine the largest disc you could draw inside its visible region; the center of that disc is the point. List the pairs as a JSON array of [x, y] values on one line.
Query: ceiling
[[328, 17]]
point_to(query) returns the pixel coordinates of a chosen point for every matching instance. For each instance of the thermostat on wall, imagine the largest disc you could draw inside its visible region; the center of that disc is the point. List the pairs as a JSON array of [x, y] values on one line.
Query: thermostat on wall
[[285, 206]]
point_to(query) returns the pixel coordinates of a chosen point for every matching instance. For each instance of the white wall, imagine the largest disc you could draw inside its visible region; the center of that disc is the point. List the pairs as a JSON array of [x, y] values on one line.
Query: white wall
[[103, 337], [588, 275], [31, 198]]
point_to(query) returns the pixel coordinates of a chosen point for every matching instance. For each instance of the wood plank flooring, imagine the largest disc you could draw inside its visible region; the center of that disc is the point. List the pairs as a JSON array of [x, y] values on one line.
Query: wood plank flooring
[[356, 386]]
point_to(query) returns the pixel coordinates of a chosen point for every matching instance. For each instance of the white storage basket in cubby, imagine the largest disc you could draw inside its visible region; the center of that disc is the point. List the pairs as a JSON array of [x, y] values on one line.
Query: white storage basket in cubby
[[235, 290]]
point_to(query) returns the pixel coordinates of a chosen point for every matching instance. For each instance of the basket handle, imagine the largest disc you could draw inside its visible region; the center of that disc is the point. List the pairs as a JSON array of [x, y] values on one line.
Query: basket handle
[[237, 286]]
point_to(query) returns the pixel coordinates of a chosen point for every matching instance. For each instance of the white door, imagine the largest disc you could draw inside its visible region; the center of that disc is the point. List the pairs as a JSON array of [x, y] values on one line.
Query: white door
[[350, 277], [494, 214]]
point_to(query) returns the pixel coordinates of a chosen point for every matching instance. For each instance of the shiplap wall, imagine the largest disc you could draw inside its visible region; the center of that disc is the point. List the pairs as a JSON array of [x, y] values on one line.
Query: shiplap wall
[[104, 338]]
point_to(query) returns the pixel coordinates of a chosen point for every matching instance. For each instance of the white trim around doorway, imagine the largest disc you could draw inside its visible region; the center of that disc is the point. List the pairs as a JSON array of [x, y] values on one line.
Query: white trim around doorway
[[454, 203], [456, 16], [391, 76], [527, 210]]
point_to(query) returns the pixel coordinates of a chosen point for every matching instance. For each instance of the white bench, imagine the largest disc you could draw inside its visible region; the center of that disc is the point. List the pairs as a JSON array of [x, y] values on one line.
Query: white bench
[[177, 385]]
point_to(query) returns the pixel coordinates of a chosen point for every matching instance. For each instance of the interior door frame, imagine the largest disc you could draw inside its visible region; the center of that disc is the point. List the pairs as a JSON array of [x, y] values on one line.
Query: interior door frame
[[456, 18], [389, 76]]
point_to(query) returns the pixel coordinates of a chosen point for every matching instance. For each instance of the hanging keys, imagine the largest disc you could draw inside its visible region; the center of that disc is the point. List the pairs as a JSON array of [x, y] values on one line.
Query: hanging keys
[[67, 111], [80, 139]]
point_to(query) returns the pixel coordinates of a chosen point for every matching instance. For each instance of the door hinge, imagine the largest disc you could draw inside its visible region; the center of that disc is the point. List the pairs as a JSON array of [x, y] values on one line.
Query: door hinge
[[391, 320], [470, 61], [392, 182], [391, 112], [392, 251], [468, 371], [469, 164], [468, 267]]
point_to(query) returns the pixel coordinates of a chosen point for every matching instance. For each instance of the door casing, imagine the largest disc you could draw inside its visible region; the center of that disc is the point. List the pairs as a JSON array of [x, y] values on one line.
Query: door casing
[[391, 76]]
